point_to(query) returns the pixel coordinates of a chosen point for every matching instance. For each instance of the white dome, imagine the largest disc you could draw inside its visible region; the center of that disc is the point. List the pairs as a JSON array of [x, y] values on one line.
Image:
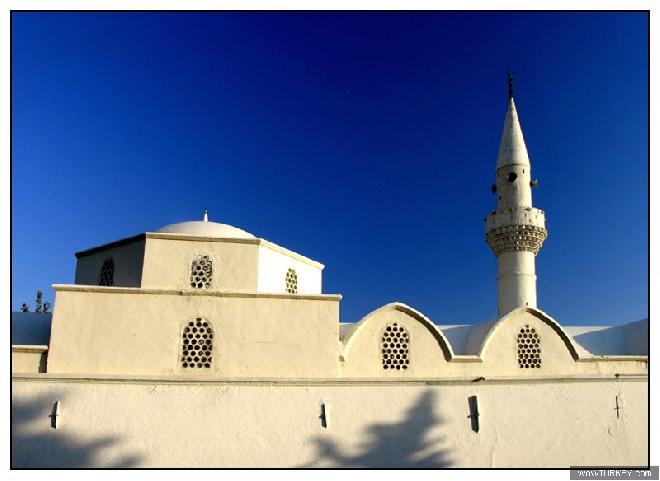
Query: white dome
[[205, 229]]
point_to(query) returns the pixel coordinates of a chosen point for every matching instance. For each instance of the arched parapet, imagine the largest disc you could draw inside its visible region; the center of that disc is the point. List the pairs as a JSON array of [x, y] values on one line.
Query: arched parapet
[[526, 340], [572, 347], [397, 333]]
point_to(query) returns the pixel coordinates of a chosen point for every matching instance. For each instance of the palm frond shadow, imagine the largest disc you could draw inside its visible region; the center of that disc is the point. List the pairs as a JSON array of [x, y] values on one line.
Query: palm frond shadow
[[35, 447], [407, 444]]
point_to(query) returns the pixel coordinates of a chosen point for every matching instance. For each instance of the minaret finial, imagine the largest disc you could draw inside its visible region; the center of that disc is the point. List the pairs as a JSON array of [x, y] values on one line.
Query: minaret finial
[[510, 80], [206, 215]]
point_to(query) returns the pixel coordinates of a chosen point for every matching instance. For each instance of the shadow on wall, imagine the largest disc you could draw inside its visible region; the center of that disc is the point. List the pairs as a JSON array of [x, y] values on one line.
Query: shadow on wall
[[40, 441], [603, 342], [628, 339], [407, 444]]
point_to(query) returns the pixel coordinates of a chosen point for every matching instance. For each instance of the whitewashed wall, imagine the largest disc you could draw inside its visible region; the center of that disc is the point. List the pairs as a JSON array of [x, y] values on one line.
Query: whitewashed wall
[[277, 424], [273, 266], [168, 262], [122, 331]]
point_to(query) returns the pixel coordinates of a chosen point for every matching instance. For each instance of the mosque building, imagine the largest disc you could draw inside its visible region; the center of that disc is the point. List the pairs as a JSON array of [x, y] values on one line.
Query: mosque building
[[201, 345]]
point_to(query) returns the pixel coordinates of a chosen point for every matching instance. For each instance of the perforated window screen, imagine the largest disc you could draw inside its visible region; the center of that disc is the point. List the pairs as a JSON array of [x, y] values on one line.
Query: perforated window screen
[[107, 275], [201, 273], [529, 348], [291, 281], [395, 347], [197, 344]]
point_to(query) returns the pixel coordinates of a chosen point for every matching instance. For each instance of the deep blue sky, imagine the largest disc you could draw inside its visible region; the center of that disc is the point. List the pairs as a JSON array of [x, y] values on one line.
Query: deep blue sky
[[366, 141]]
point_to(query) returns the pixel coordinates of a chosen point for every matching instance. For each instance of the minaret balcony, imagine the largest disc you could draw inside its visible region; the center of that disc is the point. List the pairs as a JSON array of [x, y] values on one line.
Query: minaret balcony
[[516, 229], [515, 238]]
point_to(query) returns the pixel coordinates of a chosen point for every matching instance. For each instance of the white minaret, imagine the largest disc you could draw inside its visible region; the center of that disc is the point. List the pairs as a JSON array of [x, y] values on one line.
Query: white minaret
[[516, 230]]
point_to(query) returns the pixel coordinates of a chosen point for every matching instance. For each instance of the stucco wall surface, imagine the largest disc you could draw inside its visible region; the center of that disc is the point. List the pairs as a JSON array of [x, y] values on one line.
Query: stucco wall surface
[[494, 349], [137, 331], [516, 281], [270, 424], [273, 266], [28, 359], [168, 261]]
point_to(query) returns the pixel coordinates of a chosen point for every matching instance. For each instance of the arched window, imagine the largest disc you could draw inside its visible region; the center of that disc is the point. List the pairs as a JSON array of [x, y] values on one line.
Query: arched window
[[201, 272], [291, 281], [529, 348], [197, 345], [395, 350], [107, 275]]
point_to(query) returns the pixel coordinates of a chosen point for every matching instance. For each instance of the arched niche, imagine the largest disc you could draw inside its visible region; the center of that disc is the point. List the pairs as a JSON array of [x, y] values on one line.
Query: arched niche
[[527, 342], [425, 347]]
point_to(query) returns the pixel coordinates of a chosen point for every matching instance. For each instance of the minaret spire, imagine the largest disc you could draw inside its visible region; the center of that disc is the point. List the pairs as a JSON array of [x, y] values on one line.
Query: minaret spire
[[515, 231], [513, 150]]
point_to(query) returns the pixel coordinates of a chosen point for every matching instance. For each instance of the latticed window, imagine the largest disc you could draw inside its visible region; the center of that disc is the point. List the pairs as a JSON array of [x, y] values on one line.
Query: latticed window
[[107, 275], [201, 272], [197, 345], [395, 349], [529, 348], [291, 281]]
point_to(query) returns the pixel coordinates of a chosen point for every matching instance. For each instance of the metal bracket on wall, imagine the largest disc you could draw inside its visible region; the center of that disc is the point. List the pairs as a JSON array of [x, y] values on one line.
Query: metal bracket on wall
[[53, 415], [474, 413], [322, 417], [618, 406]]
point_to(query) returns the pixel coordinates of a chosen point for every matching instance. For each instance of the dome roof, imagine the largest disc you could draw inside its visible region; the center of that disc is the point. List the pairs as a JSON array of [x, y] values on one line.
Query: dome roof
[[205, 229]]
